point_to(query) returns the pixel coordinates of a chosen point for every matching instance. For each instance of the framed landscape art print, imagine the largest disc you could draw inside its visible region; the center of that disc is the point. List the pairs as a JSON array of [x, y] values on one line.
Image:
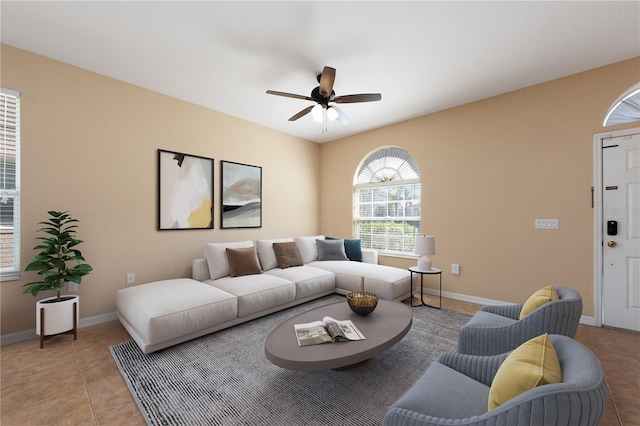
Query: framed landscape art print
[[241, 195], [185, 191]]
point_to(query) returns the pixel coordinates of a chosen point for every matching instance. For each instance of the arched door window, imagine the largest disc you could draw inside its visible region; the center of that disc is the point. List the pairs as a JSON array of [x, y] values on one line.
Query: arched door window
[[626, 108], [386, 201]]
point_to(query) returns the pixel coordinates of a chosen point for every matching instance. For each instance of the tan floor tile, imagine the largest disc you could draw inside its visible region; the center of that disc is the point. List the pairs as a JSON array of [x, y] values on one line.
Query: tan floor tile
[[125, 415], [99, 368], [610, 417], [70, 407], [108, 394], [583, 335], [629, 413], [29, 387]]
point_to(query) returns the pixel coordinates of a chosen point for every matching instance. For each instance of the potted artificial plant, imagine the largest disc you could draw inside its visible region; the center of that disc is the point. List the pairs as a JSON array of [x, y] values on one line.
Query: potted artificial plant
[[59, 261]]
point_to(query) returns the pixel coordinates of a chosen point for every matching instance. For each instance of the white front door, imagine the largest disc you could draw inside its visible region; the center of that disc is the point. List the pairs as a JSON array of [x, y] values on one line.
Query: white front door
[[621, 232]]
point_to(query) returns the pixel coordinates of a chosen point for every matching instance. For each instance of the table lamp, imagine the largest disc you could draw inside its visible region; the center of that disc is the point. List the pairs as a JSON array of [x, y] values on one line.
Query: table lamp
[[425, 246]]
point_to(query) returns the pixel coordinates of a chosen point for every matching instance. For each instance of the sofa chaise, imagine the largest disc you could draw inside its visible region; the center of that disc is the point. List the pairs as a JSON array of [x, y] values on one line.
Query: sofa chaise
[[240, 281]]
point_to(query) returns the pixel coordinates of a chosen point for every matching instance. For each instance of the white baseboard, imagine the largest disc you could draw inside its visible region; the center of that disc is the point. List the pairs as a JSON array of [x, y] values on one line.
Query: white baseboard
[[23, 336], [482, 301]]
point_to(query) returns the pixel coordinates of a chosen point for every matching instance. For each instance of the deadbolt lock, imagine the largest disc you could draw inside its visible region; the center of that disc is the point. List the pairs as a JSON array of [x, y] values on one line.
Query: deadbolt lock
[[612, 244]]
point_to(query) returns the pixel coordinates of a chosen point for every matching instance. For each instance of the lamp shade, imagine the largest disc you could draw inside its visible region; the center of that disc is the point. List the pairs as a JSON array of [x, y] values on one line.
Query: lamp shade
[[425, 246]]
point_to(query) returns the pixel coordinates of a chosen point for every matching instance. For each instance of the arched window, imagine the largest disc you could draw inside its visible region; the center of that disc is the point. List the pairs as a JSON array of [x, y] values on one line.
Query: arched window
[[386, 201], [626, 108]]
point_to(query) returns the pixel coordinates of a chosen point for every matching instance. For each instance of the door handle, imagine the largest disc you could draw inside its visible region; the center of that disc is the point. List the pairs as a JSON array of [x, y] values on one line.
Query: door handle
[[612, 244]]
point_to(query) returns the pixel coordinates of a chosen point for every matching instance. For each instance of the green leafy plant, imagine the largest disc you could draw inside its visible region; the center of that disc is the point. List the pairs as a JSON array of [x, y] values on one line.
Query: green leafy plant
[[56, 250]]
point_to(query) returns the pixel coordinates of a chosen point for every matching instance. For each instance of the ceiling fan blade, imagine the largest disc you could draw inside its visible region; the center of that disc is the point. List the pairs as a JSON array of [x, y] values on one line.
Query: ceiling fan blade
[[326, 80], [363, 97], [288, 95], [342, 117], [302, 113]]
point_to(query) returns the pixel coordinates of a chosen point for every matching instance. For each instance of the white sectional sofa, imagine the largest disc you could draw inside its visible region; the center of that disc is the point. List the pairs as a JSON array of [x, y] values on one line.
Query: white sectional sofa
[[241, 281]]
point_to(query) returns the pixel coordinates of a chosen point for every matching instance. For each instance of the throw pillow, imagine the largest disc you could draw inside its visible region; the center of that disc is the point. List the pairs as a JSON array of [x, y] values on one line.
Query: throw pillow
[[308, 248], [243, 261], [266, 255], [287, 254], [534, 363], [216, 255], [537, 299], [331, 250], [352, 248]]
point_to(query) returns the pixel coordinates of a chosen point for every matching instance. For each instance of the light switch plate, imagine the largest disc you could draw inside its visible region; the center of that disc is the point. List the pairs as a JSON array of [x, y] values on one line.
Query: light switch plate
[[546, 223]]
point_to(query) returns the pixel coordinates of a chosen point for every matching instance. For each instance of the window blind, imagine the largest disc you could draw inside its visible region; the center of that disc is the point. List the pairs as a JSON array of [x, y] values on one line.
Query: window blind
[[9, 184]]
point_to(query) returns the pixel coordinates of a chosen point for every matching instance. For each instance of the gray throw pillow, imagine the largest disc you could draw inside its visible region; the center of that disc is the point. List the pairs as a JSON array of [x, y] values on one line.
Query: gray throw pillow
[[331, 250]]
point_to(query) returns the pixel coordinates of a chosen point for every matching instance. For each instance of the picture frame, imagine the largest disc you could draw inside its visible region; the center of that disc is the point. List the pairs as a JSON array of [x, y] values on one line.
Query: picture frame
[[240, 195], [185, 191]]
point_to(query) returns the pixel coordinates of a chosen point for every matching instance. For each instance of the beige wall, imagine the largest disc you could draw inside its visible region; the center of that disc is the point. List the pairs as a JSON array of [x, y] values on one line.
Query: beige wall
[[489, 169], [89, 145]]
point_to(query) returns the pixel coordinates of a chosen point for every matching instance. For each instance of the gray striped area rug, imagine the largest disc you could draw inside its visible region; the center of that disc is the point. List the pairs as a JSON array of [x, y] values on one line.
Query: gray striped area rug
[[225, 379]]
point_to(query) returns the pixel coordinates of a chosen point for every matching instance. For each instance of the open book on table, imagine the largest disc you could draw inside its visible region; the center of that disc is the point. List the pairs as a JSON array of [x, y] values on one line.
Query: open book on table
[[326, 331]]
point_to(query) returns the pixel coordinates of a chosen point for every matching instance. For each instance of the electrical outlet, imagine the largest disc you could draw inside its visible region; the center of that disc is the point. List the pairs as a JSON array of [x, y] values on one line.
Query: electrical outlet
[[455, 269], [71, 286], [131, 278]]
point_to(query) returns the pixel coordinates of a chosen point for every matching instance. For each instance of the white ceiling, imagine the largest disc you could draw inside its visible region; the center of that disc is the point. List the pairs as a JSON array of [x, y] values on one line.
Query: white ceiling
[[422, 56]]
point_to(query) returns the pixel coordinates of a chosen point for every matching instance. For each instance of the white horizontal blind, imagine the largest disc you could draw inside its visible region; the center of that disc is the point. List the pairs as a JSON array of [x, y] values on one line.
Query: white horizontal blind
[[386, 202], [9, 184]]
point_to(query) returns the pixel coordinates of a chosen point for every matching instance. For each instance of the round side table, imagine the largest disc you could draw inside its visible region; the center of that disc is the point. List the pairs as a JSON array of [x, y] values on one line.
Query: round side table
[[422, 273]]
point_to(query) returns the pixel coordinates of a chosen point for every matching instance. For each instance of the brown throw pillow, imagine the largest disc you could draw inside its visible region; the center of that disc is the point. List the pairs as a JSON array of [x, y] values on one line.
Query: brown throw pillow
[[243, 261], [287, 254]]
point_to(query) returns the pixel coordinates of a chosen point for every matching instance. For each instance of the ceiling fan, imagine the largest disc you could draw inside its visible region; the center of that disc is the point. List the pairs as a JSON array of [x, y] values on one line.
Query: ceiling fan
[[325, 98]]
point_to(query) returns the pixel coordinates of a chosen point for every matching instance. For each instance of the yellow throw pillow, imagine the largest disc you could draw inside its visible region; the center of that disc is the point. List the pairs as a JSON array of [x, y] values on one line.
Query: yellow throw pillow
[[534, 363], [537, 299]]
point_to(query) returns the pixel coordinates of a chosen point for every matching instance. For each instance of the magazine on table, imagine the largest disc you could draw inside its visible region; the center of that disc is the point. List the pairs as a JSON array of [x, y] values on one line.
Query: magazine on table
[[328, 330]]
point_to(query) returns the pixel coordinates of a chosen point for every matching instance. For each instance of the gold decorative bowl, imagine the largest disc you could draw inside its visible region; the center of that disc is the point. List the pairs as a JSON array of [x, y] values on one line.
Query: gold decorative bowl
[[362, 302]]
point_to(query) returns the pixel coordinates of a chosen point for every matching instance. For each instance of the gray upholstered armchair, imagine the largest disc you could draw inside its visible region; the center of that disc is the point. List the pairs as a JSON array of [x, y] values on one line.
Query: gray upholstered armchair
[[497, 329], [455, 390]]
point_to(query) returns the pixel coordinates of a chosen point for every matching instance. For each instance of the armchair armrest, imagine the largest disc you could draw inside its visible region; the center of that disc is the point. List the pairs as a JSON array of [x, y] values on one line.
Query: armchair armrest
[[509, 311], [480, 368]]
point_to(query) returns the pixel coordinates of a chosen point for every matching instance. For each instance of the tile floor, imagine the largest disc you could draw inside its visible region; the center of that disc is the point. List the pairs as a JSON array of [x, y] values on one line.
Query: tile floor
[[78, 383]]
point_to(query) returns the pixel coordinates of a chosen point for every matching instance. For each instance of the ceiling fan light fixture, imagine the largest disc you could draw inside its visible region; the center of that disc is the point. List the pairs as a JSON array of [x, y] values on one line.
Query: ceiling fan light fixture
[[332, 114], [316, 113]]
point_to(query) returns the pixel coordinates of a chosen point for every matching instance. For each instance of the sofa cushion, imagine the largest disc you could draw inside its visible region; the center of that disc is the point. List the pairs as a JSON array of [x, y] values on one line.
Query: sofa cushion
[[216, 254], [308, 248], [266, 253], [163, 310], [440, 392], [287, 255], [309, 281], [388, 282], [537, 299], [331, 250], [531, 364], [243, 261], [352, 248], [257, 293]]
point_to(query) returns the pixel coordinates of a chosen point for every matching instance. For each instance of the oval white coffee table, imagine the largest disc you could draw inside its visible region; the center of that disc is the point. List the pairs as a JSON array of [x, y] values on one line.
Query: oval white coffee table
[[382, 328]]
